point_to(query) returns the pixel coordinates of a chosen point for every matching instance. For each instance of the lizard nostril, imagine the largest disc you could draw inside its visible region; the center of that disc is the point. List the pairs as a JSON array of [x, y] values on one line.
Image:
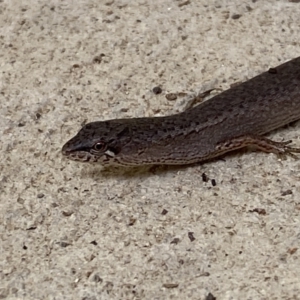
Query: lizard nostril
[[65, 149]]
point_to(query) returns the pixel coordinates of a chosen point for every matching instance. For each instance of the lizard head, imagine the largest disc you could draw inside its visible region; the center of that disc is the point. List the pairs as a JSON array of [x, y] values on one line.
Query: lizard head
[[98, 142]]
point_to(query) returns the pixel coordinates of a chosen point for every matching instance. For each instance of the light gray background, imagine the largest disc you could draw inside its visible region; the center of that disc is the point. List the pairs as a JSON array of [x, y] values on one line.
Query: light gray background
[[70, 231]]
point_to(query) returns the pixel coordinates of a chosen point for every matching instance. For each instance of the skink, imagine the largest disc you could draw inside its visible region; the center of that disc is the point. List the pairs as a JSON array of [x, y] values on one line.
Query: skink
[[236, 118]]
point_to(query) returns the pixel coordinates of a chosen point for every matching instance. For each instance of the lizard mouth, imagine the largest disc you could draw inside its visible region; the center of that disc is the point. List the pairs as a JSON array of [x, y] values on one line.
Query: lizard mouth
[[82, 156]]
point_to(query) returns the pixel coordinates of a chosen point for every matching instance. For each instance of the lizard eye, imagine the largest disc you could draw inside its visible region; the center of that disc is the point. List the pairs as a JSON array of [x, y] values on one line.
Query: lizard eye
[[99, 146]]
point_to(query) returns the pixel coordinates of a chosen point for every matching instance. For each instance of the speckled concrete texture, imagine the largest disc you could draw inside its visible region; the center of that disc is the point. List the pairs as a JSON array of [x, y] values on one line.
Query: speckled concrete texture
[[74, 231]]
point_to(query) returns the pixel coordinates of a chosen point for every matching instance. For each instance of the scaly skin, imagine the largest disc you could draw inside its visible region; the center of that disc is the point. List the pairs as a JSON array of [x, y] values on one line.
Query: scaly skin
[[231, 120]]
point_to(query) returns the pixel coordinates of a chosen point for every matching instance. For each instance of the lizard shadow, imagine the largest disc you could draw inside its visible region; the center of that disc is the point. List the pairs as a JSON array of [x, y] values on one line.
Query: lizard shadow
[[131, 172]]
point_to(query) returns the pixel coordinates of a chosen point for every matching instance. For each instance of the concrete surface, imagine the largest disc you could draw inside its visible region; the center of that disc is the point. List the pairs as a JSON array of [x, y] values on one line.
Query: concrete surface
[[71, 231]]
